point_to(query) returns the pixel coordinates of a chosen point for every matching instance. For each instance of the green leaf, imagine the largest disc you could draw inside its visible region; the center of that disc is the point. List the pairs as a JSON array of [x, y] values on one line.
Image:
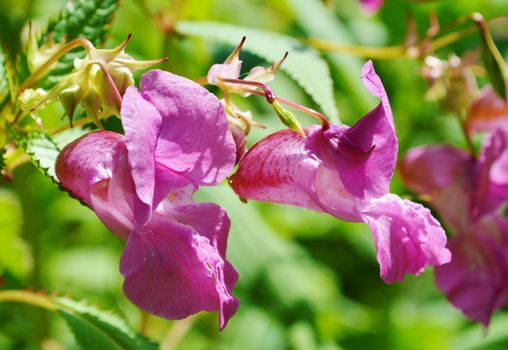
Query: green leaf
[[304, 64], [93, 328], [90, 19], [44, 149], [41, 148], [329, 27], [99, 330], [15, 254]]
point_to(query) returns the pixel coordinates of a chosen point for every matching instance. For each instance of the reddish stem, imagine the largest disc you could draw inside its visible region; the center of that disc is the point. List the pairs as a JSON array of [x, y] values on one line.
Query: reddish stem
[[271, 97]]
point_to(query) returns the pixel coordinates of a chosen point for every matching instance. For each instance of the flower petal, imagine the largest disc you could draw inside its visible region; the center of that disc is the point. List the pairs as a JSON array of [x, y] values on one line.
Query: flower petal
[[278, 169], [173, 271], [115, 200], [492, 181], [85, 162], [372, 177], [212, 222], [476, 280], [142, 124], [194, 140], [444, 174], [407, 237]]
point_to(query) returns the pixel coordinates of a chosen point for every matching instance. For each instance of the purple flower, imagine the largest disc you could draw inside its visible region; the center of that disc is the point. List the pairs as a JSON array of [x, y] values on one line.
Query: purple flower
[[346, 172], [468, 194], [141, 185]]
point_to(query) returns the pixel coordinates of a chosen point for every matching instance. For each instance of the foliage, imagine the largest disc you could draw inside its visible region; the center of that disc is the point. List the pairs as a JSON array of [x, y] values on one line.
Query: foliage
[[90, 19]]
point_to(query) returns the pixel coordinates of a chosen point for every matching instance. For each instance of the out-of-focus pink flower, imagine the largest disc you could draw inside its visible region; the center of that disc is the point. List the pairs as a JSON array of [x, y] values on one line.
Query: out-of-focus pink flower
[[372, 5], [141, 185], [487, 112], [346, 172], [468, 194]]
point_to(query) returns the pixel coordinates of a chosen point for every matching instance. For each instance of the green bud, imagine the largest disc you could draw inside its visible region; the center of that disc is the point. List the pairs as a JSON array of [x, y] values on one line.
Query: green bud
[[287, 118], [70, 98]]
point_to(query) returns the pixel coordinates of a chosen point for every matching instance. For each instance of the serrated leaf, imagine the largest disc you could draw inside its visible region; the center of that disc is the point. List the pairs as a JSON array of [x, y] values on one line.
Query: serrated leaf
[[93, 328], [329, 27], [304, 64], [41, 149], [15, 254], [44, 149], [90, 19], [99, 330]]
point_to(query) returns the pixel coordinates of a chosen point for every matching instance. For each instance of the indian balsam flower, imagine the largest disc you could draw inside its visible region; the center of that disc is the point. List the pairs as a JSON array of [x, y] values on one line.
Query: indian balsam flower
[[346, 172], [141, 185]]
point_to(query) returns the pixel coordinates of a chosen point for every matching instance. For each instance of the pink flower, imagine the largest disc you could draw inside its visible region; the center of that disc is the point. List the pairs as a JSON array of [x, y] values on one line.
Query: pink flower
[[140, 185], [346, 172], [468, 194], [487, 112]]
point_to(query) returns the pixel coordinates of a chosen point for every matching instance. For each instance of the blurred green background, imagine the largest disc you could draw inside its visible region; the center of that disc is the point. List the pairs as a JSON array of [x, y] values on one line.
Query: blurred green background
[[307, 280]]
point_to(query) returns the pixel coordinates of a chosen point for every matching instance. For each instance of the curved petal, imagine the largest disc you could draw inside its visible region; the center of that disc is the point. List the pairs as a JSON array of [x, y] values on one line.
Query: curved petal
[[278, 169], [85, 162], [141, 123], [407, 237], [492, 181], [365, 154], [173, 271], [194, 139], [371, 177], [445, 175], [115, 200], [212, 222], [476, 280]]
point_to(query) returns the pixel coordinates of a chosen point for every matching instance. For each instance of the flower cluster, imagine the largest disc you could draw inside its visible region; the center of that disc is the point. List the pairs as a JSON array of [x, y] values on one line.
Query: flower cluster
[[469, 195], [177, 137]]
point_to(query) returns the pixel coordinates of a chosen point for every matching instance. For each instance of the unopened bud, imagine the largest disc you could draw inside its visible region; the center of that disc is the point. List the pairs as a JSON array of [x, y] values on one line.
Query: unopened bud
[[287, 118], [70, 98]]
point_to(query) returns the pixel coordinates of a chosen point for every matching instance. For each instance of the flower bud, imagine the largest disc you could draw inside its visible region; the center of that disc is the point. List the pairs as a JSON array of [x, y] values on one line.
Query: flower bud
[[287, 118], [70, 98]]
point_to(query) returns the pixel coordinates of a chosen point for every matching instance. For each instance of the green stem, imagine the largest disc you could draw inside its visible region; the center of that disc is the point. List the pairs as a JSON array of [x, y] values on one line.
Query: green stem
[[362, 51], [26, 297]]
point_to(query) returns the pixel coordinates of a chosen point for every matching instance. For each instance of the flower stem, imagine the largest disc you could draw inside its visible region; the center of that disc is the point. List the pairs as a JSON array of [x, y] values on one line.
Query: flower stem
[[362, 51], [32, 79], [271, 97]]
